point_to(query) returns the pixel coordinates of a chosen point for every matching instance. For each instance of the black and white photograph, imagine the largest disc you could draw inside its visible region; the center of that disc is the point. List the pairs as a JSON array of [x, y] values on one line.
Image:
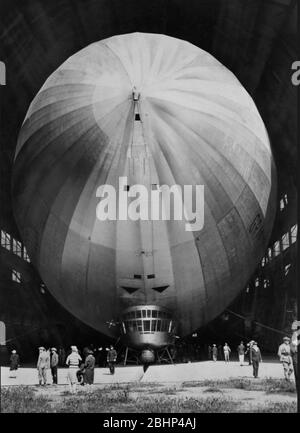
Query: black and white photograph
[[148, 217]]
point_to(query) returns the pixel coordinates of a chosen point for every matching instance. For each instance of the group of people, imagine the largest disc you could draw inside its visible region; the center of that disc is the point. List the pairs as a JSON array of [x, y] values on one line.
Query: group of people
[[287, 353], [214, 352], [80, 368]]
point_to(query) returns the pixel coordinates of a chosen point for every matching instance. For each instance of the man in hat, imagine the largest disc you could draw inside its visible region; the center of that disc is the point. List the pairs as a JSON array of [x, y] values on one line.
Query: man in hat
[[54, 364], [42, 365], [111, 359], [214, 352], [14, 364], [255, 358], [73, 363], [284, 353]]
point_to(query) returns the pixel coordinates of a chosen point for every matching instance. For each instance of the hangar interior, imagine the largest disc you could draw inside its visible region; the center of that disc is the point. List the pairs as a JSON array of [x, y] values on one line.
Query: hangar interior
[[257, 41]]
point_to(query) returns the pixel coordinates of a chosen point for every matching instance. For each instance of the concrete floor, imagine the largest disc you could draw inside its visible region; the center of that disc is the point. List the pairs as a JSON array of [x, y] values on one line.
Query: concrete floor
[[176, 373]]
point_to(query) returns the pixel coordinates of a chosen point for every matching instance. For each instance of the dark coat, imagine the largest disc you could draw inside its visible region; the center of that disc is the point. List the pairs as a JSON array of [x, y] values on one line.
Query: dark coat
[[255, 355], [111, 355], [14, 361], [89, 366]]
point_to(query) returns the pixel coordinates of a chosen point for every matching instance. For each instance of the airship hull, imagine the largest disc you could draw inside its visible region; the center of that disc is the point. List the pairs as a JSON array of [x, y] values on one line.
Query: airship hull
[[157, 111]]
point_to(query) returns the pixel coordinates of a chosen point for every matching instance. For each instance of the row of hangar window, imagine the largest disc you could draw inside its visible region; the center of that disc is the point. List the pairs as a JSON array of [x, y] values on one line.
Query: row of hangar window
[[147, 326], [13, 245], [265, 282], [281, 245]]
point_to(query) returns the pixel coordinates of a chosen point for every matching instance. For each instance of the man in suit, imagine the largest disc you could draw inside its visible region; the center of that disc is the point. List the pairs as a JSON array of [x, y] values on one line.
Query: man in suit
[[54, 364], [256, 358], [111, 359]]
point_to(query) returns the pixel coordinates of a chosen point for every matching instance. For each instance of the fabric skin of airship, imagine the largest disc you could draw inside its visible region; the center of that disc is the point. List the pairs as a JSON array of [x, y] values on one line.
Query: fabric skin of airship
[[159, 111]]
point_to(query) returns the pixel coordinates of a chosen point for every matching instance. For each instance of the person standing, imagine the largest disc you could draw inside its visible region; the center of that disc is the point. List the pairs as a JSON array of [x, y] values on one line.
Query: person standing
[[80, 374], [241, 353], [14, 364], [42, 365], [248, 351], [72, 362], [111, 359], [54, 364], [284, 353], [255, 358], [294, 349], [89, 366], [226, 350], [214, 352]]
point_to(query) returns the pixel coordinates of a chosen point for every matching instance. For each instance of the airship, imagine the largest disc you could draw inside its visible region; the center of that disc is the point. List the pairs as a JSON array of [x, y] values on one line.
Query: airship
[[153, 112]]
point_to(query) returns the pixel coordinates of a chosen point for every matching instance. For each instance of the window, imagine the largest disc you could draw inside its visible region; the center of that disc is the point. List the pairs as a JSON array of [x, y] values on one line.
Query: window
[[144, 313], [153, 326], [283, 202], [146, 325], [294, 233], [5, 240], [16, 276], [139, 325], [148, 313], [269, 253], [285, 241], [276, 247], [17, 247], [42, 288], [25, 255], [154, 313], [256, 282], [137, 277], [137, 116], [247, 289], [266, 283], [263, 262], [287, 269]]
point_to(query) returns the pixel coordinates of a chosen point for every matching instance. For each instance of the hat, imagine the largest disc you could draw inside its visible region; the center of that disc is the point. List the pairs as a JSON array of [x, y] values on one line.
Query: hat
[[74, 349], [254, 343], [286, 339], [42, 348], [53, 348], [13, 351]]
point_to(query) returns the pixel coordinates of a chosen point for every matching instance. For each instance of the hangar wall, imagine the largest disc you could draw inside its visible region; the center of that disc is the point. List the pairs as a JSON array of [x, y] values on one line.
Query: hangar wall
[[255, 39]]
